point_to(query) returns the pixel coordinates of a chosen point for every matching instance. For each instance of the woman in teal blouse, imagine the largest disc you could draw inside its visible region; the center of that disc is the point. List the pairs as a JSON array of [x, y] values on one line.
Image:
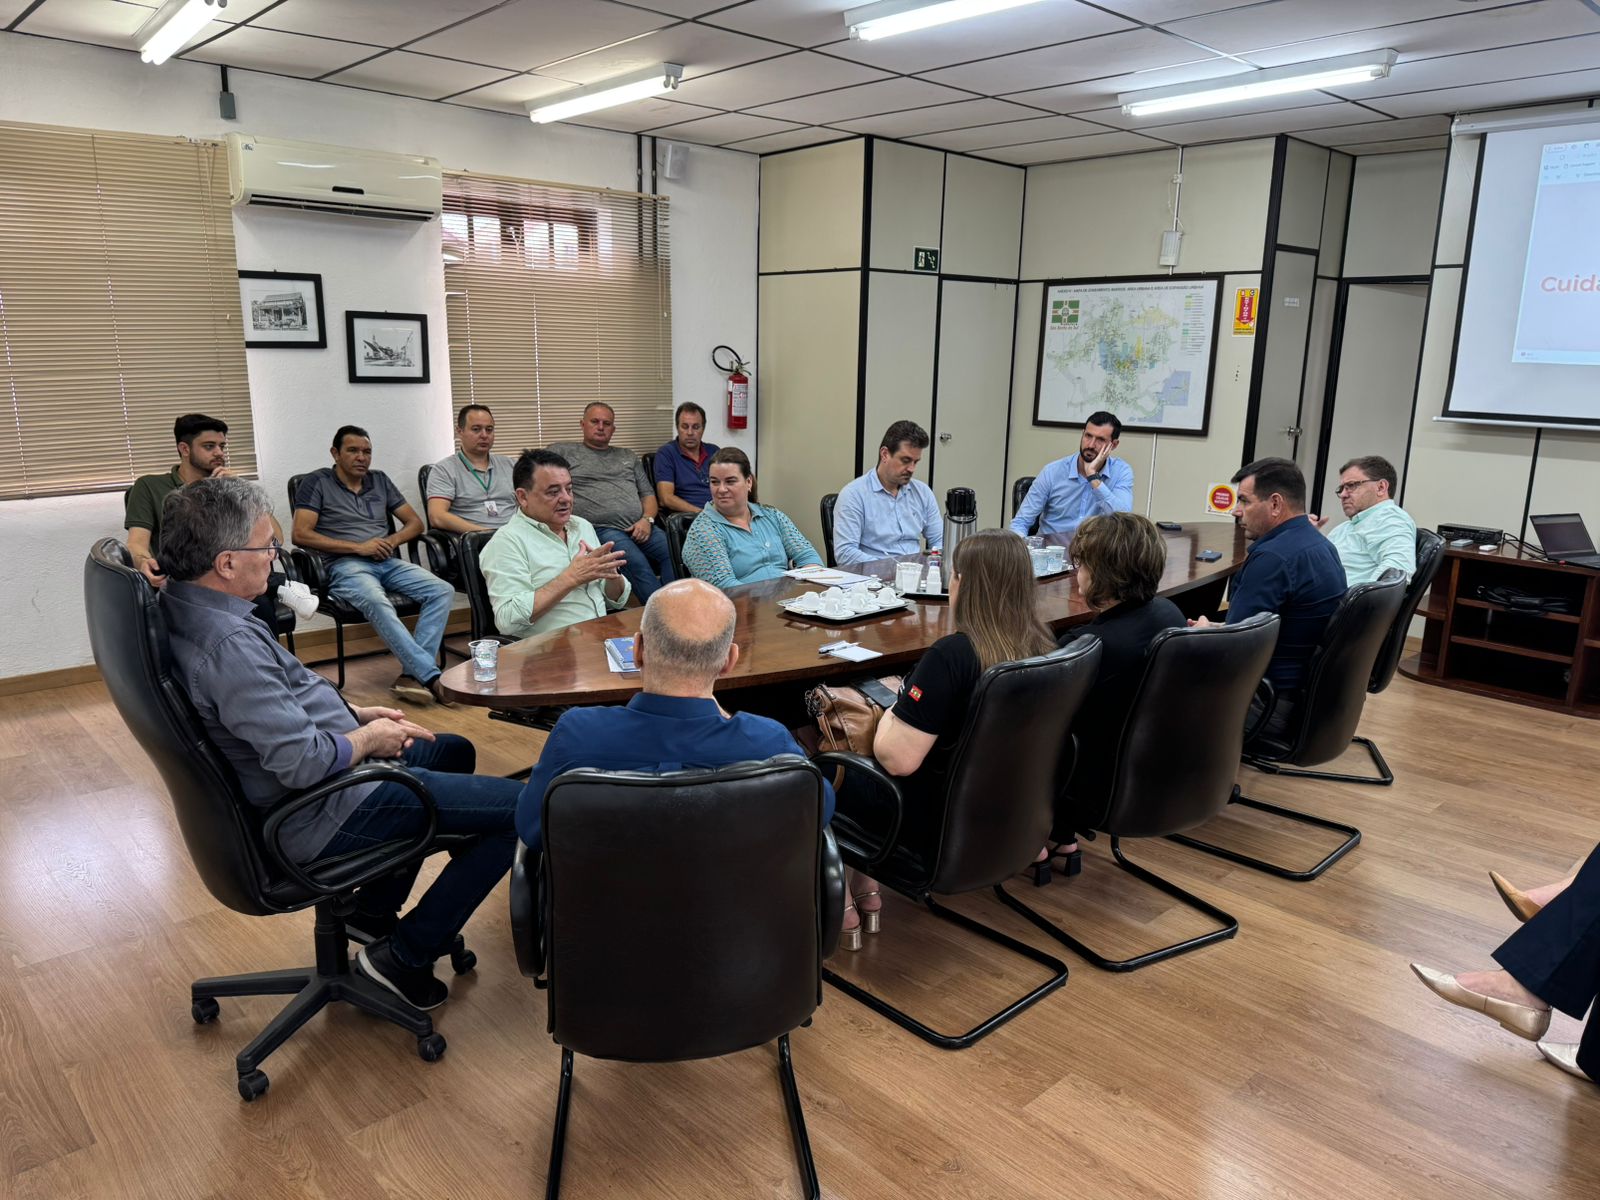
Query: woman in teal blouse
[[734, 540]]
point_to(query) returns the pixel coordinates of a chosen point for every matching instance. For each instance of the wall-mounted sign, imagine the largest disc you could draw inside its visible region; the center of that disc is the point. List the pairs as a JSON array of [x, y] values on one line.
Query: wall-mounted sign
[[1221, 498], [1244, 311], [926, 259]]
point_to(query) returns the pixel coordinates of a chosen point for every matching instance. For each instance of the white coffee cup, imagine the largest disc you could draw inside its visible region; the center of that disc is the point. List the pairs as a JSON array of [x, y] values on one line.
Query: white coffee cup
[[807, 602], [833, 606]]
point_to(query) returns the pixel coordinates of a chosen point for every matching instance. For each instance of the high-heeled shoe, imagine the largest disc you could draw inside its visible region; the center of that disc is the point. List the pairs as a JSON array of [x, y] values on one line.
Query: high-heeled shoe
[[1522, 908], [850, 936], [1565, 1056], [871, 918], [1525, 1022]]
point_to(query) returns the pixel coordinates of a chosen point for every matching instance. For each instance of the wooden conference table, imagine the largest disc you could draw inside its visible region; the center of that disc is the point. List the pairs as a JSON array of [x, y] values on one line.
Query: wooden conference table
[[568, 666]]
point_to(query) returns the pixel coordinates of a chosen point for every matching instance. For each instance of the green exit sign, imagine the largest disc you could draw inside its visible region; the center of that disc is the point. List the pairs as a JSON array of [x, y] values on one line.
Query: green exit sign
[[927, 259]]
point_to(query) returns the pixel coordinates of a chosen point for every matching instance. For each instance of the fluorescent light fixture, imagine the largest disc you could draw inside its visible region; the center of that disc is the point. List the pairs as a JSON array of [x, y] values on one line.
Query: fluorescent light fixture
[[1526, 120], [890, 17], [622, 90], [1253, 85], [172, 25]]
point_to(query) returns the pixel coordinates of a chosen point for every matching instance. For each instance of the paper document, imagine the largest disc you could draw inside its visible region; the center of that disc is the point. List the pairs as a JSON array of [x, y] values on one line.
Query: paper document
[[854, 653], [828, 576]]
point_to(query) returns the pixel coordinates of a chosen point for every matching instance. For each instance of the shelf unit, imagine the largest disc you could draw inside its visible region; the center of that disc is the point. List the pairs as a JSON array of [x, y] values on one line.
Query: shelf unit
[[1546, 660]]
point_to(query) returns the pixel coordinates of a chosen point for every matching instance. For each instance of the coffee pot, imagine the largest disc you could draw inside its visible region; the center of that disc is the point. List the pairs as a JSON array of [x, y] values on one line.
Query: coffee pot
[[960, 520]]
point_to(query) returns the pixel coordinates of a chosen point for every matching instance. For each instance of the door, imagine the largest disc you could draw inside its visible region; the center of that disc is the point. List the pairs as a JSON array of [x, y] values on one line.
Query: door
[[973, 394], [1278, 430]]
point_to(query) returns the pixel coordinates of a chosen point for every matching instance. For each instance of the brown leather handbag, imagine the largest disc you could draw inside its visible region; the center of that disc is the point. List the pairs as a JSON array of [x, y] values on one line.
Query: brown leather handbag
[[848, 714]]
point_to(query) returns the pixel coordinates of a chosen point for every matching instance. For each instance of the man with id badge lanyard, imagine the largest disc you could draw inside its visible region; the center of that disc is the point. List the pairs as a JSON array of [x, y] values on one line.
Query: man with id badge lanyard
[[471, 490]]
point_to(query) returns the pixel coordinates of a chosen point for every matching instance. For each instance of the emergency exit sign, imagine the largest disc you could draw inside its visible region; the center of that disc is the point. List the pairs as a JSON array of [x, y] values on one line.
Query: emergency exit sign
[[927, 259]]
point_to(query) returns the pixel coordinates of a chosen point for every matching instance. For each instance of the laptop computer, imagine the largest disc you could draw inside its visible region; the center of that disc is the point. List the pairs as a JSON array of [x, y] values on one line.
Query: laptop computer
[[1564, 538]]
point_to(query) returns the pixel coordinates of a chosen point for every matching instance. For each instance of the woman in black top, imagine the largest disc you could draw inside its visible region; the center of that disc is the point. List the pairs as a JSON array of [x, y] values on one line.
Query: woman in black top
[[992, 601], [1120, 559]]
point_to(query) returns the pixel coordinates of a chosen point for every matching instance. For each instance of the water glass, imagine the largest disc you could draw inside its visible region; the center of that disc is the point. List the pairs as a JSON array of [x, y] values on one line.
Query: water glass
[[485, 659], [1035, 542], [907, 576]]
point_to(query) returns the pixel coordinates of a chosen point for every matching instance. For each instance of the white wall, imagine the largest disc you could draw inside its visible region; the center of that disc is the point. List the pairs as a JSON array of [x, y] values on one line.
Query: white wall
[[300, 397], [1394, 210]]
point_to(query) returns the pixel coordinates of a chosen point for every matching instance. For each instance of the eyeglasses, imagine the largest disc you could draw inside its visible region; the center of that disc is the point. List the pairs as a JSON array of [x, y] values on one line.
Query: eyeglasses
[[274, 548], [1346, 488]]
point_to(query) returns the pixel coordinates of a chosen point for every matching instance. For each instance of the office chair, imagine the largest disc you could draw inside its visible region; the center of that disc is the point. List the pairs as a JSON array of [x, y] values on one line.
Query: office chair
[[234, 846], [654, 964], [1175, 763], [676, 526], [440, 544], [1325, 720], [827, 506], [649, 461], [995, 811], [1430, 555], [470, 548], [1019, 492]]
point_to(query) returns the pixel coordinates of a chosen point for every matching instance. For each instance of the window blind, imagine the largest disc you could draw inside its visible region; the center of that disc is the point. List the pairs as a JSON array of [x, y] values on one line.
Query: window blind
[[119, 307], [556, 297]]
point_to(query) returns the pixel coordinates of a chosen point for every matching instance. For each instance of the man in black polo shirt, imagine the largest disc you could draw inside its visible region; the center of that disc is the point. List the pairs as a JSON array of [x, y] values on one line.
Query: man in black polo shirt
[[342, 513]]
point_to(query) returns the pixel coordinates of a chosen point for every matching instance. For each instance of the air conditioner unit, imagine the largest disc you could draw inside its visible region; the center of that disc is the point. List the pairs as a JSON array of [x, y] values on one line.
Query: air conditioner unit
[[276, 173]]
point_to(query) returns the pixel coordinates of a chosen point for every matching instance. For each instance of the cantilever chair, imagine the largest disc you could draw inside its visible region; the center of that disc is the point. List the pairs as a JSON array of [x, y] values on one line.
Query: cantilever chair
[[1019, 492], [652, 964], [1175, 763], [234, 846], [996, 811], [827, 507], [676, 526], [1325, 721], [1430, 555], [440, 544]]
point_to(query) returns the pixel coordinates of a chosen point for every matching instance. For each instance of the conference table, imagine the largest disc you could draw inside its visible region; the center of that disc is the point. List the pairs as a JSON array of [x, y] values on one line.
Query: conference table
[[776, 648]]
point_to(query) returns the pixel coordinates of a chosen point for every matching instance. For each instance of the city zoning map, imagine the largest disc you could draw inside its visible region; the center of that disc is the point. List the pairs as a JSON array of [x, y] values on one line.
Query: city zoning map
[[1140, 349]]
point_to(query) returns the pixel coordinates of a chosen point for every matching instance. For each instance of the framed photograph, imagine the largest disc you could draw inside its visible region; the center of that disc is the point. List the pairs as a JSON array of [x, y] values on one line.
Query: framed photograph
[[282, 311], [386, 347]]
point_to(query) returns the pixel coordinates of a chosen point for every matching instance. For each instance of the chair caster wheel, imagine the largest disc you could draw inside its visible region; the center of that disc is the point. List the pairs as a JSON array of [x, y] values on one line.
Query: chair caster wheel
[[462, 961], [431, 1048], [253, 1085], [204, 1010]]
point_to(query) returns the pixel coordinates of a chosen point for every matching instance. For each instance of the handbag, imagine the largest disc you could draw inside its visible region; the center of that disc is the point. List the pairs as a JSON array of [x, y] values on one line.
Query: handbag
[[847, 715]]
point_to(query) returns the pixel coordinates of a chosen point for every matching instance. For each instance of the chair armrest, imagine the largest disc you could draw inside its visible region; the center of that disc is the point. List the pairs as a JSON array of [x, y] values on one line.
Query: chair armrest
[[833, 893], [376, 771], [310, 568], [444, 555], [874, 770], [1269, 699], [527, 924]]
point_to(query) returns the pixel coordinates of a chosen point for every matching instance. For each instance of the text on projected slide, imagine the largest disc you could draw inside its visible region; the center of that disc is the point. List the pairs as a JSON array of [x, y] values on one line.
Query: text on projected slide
[[1558, 320]]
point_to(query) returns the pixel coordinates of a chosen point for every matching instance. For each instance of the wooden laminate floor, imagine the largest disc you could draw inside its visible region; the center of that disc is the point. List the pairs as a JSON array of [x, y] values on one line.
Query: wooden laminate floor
[[1300, 1060]]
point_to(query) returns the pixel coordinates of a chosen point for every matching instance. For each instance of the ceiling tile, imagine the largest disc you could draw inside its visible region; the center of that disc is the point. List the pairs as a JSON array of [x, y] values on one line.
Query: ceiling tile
[[1285, 21], [1093, 146], [280, 53], [1216, 129], [725, 127], [687, 8], [531, 33], [940, 117], [1050, 66], [887, 95], [98, 22], [381, 22], [1568, 85], [1485, 66], [797, 22], [645, 114], [697, 48], [1398, 147], [998, 33], [512, 95], [775, 79], [1377, 131], [1155, 12], [421, 75], [1103, 93], [1011, 133], [1243, 108], [792, 139], [10, 10]]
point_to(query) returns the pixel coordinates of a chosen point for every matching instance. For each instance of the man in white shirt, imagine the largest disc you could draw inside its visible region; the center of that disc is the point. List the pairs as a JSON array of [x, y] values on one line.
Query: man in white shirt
[[887, 513]]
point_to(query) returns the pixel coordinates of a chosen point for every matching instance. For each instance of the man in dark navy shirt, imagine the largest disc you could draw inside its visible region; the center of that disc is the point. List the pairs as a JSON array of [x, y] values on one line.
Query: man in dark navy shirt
[[684, 643], [1291, 570]]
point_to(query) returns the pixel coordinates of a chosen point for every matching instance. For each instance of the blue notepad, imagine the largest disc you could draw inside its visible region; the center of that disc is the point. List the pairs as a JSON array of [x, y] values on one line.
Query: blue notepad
[[619, 650]]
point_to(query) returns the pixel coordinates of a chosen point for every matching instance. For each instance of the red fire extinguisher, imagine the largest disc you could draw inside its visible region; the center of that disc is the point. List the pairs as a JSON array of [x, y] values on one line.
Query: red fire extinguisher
[[738, 388]]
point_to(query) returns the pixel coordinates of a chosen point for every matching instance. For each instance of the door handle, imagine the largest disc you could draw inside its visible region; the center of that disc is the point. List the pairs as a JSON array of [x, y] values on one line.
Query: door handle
[[1293, 431], [943, 438]]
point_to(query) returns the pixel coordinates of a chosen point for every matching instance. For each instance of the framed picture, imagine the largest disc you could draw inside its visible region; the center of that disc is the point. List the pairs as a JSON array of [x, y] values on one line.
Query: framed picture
[[386, 347], [282, 310]]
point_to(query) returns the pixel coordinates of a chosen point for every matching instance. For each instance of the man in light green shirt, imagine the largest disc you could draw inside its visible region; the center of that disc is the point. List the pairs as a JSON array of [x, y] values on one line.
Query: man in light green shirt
[[546, 568], [1377, 533]]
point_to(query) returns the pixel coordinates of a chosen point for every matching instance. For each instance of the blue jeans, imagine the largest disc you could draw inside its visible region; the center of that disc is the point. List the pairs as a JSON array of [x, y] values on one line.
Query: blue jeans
[[364, 585], [647, 566], [467, 803]]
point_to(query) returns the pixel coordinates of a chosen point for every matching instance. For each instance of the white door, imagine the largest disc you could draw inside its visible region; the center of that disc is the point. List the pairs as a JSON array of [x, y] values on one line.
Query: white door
[[973, 394], [1278, 429]]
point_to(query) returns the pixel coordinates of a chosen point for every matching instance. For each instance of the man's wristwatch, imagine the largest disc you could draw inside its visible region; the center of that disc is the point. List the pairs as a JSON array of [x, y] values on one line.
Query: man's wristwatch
[[1096, 475]]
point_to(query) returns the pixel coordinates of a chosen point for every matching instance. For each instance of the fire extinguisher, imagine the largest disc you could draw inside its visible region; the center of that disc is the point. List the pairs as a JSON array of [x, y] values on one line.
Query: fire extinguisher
[[738, 388]]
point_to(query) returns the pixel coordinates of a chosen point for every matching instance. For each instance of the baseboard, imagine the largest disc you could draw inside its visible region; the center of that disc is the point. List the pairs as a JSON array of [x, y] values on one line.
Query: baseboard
[[16, 685]]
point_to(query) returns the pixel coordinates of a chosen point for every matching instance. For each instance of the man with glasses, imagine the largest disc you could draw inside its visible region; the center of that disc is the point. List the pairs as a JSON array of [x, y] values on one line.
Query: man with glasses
[[284, 728], [1377, 533]]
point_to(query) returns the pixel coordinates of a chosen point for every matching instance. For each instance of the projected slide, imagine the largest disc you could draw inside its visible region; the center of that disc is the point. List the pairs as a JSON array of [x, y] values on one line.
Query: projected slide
[[1558, 317]]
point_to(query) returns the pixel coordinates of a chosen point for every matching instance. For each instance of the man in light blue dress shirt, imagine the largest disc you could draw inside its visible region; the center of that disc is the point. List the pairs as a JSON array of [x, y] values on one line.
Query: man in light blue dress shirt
[[886, 512], [1071, 490], [1377, 533]]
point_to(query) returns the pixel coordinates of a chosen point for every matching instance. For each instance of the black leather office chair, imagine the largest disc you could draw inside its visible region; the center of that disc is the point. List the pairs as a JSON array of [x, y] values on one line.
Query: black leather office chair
[[827, 506], [1430, 555], [649, 461], [676, 527], [440, 544], [473, 583], [1019, 492], [233, 845], [1176, 761], [997, 810], [658, 963], [1325, 719]]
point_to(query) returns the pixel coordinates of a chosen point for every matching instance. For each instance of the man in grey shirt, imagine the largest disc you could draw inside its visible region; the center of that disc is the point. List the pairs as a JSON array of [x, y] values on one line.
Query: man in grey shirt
[[284, 728], [471, 490], [611, 491]]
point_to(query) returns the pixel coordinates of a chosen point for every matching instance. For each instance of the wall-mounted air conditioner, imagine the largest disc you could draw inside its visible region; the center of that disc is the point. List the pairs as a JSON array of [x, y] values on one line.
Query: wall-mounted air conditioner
[[275, 173]]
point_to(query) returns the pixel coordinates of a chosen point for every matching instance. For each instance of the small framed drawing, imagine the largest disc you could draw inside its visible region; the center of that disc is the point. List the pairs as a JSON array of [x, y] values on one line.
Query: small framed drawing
[[282, 311], [386, 347]]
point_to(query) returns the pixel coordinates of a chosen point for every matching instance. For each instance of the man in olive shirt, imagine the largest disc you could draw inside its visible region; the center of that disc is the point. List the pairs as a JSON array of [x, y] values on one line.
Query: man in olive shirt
[[611, 490], [471, 490]]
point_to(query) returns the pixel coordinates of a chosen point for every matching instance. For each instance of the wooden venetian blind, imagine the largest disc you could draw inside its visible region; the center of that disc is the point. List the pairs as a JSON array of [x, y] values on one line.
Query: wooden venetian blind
[[119, 307], [557, 297]]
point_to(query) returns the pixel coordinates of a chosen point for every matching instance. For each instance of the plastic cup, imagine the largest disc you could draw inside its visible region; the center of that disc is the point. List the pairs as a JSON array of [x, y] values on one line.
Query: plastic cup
[[485, 659], [906, 577], [1056, 558], [1036, 542]]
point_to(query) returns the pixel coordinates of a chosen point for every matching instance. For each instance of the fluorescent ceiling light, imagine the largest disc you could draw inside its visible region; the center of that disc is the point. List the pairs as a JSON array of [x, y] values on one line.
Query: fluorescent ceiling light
[[639, 86], [1526, 120], [890, 17], [1275, 81], [172, 25]]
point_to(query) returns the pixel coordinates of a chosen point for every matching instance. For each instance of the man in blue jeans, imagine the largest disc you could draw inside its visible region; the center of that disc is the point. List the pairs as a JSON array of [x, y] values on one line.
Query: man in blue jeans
[[283, 727], [342, 513]]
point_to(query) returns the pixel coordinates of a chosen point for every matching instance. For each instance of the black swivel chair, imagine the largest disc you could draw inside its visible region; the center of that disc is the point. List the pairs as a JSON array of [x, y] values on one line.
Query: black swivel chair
[[439, 543], [234, 847], [1176, 761], [1325, 720], [828, 503], [997, 811], [1430, 555], [1019, 493], [676, 526], [649, 461], [470, 548], [655, 964]]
